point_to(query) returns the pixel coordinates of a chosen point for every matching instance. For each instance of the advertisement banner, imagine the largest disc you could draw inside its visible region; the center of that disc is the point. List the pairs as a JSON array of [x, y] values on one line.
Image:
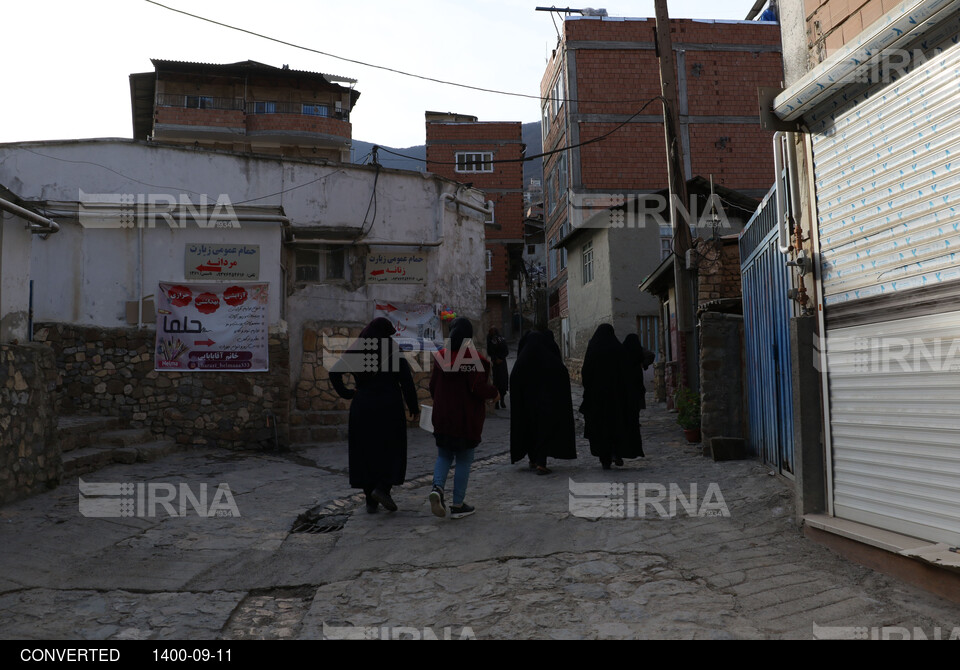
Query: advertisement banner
[[418, 326], [212, 327], [227, 262]]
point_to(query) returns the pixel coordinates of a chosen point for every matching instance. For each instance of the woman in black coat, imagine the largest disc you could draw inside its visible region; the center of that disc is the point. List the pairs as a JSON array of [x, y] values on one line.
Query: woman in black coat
[[377, 436], [497, 351], [541, 418], [605, 402], [638, 359]]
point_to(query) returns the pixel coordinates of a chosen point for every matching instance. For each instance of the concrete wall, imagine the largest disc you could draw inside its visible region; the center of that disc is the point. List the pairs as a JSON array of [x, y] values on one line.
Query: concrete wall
[[590, 304], [14, 278]]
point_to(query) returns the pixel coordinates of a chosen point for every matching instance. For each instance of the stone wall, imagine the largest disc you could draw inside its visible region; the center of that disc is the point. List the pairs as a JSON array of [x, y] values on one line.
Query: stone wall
[[29, 453], [718, 270], [721, 376], [109, 372], [319, 414]]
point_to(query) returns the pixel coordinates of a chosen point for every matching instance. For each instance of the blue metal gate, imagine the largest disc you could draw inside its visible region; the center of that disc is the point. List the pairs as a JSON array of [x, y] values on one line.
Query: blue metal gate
[[767, 309]]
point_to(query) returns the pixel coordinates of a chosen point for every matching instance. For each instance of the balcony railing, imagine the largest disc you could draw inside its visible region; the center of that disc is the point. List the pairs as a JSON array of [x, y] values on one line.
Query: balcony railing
[[251, 107], [306, 109], [198, 101]]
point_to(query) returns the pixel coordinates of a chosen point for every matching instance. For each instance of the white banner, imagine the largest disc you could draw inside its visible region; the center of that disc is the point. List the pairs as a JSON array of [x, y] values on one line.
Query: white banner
[[212, 327], [418, 326]]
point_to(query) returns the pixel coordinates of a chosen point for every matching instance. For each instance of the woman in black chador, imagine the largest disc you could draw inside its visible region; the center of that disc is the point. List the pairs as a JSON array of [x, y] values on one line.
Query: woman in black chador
[[497, 352], [541, 415], [605, 399], [377, 435], [637, 360]]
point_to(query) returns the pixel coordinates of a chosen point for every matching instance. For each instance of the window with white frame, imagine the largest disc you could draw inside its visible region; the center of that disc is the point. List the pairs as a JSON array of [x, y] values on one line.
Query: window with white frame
[[320, 264], [477, 161], [489, 261], [586, 254], [199, 101]]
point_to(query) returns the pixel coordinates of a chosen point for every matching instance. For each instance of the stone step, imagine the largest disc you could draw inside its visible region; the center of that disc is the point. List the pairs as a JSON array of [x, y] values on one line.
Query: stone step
[[89, 459], [126, 437], [77, 432]]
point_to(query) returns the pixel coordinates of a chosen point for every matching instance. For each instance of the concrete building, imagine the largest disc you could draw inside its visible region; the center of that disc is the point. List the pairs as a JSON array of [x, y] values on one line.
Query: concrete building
[[870, 126], [487, 155], [327, 257], [599, 93], [246, 106]]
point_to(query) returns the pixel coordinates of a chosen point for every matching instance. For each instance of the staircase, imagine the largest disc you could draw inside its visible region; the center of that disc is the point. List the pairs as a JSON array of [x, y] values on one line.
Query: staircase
[[88, 443]]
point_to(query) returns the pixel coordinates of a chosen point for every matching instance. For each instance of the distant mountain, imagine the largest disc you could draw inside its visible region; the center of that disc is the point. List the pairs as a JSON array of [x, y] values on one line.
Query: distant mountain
[[417, 155]]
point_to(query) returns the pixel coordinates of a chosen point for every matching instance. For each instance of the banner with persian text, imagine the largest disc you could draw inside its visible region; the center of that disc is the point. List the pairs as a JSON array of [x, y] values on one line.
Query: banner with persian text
[[212, 327]]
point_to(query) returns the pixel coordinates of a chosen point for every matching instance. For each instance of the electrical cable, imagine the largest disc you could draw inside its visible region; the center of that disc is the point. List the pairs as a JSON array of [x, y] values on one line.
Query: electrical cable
[[383, 67], [599, 138]]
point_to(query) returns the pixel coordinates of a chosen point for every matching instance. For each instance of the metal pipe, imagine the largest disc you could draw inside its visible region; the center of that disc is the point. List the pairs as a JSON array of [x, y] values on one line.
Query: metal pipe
[[38, 224]]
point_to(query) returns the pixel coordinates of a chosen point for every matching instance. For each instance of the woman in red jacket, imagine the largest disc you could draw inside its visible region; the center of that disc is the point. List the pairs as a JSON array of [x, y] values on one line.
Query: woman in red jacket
[[460, 386]]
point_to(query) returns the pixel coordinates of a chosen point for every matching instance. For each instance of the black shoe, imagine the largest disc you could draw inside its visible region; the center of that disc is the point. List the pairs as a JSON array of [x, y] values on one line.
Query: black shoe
[[384, 499], [460, 511], [436, 502], [618, 462], [606, 466]]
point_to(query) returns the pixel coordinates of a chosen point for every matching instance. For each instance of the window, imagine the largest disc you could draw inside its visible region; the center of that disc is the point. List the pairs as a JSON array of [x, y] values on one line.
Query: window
[[474, 161], [264, 108], [491, 218], [558, 93], [489, 261], [199, 102], [531, 249], [552, 258], [666, 247], [587, 256], [314, 110], [320, 264]]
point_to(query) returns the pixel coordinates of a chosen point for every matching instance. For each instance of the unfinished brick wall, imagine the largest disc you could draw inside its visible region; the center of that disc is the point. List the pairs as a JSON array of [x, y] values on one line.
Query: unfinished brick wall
[[718, 274]]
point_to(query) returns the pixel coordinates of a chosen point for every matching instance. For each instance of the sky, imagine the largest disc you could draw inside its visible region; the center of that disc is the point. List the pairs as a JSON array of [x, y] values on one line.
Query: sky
[[66, 64]]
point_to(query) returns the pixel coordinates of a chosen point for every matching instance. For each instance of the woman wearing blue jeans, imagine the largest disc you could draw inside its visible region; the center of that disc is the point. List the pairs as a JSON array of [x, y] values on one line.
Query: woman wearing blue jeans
[[460, 386]]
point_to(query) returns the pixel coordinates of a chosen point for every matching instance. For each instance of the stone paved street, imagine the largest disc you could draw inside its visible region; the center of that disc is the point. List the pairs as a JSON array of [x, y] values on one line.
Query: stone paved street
[[523, 567]]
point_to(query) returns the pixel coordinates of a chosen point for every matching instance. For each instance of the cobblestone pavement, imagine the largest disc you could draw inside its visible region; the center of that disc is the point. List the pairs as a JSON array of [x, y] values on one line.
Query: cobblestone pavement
[[527, 565]]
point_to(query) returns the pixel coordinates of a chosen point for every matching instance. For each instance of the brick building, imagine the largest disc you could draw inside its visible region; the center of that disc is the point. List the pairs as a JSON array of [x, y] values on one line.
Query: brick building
[[474, 152], [599, 81], [246, 106]]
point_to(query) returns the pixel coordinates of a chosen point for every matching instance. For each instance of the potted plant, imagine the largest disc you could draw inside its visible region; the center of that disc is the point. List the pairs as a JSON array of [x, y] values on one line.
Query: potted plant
[[687, 403]]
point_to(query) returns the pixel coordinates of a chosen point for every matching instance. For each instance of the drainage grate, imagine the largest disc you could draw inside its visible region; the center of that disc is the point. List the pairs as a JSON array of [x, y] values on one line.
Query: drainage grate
[[307, 523]]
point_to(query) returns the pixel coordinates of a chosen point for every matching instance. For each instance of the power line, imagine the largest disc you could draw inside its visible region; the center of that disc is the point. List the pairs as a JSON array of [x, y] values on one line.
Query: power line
[[383, 67], [599, 138]]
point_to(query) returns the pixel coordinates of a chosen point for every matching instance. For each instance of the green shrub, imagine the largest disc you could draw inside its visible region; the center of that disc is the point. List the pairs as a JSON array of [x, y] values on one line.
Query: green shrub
[[687, 403]]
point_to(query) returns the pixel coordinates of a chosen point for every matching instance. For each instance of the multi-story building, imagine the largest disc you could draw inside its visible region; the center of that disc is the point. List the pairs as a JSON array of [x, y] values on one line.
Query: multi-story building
[[488, 156], [599, 93], [246, 107]]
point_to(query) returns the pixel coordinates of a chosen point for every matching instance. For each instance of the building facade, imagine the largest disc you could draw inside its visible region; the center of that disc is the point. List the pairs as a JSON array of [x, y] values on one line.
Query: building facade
[[488, 156], [870, 129], [599, 93], [246, 106], [326, 258]]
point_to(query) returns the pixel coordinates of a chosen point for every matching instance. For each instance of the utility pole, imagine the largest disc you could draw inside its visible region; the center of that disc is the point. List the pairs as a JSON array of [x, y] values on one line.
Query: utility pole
[[677, 184]]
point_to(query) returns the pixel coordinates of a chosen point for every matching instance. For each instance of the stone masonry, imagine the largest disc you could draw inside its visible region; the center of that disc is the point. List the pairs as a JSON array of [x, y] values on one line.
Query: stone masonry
[[29, 454], [109, 372]]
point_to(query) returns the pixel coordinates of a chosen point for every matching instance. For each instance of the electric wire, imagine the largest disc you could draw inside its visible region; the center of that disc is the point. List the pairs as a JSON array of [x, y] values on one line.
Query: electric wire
[[383, 67]]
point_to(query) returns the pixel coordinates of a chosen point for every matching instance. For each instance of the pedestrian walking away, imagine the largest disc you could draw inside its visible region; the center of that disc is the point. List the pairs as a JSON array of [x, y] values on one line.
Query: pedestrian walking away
[[541, 417], [460, 386], [637, 359], [498, 350], [605, 399], [377, 429]]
